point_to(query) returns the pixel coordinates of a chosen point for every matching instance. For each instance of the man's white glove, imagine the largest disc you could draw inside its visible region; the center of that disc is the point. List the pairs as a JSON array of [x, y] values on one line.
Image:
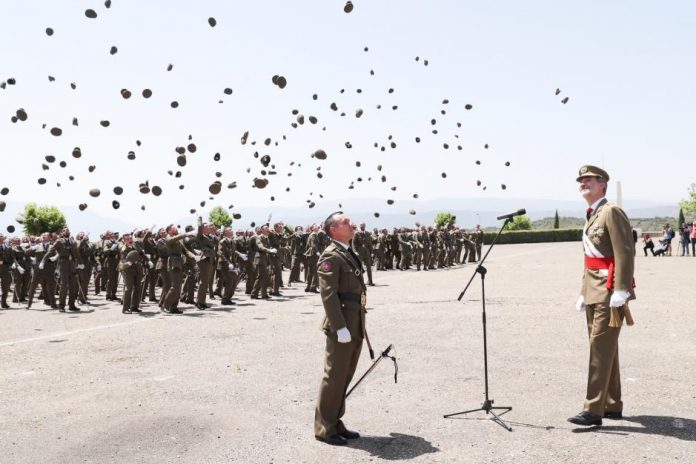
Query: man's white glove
[[33, 260], [41, 265], [618, 298], [580, 304], [274, 251], [53, 258], [114, 247], [343, 335], [20, 269], [14, 266], [80, 266], [150, 264], [230, 267], [99, 268]]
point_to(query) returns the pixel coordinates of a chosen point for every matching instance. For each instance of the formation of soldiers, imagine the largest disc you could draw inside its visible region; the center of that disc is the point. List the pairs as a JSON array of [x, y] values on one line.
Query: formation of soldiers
[[203, 262]]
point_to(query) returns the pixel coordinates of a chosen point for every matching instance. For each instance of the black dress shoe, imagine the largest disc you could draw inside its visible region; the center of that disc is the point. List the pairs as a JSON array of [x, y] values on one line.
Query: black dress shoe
[[266, 297], [335, 440], [227, 303], [136, 310], [73, 308], [176, 311], [349, 434], [126, 311], [586, 419], [613, 415], [254, 297], [201, 306]]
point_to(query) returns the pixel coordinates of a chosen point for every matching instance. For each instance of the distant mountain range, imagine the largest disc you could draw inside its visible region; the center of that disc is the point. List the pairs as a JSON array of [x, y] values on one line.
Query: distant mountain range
[[469, 212]]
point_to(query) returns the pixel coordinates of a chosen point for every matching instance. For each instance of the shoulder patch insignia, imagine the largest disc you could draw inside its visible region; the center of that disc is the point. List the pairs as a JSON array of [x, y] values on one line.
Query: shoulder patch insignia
[[326, 266]]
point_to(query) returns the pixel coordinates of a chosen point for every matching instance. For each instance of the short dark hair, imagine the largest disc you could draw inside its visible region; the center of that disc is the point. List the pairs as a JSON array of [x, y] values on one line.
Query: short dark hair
[[330, 221]]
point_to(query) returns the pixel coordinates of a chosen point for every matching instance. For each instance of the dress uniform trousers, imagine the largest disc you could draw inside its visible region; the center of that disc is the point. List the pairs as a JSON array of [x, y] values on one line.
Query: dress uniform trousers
[[68, 283], [171, 299], [340, 362], [132, 278], [5, 282], [261, 283], [603, 379], [297, 261], [312, 277], [205, 277], [250, 276]]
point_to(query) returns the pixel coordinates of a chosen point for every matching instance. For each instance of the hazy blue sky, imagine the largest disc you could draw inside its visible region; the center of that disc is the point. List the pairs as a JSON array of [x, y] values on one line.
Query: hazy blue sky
[[628, 69]]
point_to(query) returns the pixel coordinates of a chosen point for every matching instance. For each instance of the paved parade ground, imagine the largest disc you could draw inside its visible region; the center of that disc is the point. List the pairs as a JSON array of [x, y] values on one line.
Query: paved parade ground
[[238, 384]]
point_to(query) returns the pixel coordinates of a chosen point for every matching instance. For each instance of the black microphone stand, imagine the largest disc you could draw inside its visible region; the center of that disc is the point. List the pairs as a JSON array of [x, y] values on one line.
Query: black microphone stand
[[487, 403]]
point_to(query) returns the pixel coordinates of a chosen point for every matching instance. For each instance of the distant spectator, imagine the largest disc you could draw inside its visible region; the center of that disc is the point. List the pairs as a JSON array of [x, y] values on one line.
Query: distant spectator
[[693, 239], [661, 248], [648, 245], [684, 239], [667, 238], [635, 239]]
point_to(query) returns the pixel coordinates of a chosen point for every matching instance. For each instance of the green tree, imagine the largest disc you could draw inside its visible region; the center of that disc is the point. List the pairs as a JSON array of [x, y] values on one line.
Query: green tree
[[40, 219], [688, 204], [519, 223], [445, 218], [556, 221], [219, 217], [681, 219]]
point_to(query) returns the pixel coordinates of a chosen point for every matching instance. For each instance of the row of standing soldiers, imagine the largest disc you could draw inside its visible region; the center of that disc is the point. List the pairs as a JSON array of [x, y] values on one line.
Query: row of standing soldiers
[[203, 261]]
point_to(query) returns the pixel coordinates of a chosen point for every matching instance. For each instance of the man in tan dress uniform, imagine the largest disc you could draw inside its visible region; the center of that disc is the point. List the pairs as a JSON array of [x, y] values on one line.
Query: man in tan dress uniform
[[607, 286], [343, 294]]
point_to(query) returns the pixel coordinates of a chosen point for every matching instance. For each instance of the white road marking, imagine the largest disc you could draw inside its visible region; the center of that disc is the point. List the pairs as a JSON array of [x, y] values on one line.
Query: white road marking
[[73, 332]]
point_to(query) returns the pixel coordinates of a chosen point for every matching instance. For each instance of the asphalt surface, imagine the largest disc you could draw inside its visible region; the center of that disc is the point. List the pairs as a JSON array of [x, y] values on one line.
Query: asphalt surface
[[238, 384]]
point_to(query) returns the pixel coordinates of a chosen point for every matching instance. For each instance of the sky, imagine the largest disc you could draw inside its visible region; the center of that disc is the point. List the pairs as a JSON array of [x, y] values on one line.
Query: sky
[[627, 69]]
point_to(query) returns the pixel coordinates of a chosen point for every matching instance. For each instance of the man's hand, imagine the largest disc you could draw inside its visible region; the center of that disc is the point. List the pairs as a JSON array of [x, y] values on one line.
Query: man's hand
[[343, 335], [80, 266], [41, 266], [580, 304], [618, 298]]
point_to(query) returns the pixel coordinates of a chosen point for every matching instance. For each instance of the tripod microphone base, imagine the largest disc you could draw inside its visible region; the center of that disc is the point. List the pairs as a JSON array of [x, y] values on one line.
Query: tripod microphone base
[[488, 407]]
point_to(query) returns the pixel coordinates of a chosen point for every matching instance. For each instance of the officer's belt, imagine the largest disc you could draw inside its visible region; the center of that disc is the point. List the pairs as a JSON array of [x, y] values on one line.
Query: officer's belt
[[344, 296]]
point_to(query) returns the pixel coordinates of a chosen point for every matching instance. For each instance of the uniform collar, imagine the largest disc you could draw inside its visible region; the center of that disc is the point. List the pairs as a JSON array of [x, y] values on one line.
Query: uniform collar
[[596, 204]]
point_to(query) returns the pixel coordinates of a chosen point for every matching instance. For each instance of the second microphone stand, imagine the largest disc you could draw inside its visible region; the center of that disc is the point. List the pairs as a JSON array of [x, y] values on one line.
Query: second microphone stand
[[487, 405]]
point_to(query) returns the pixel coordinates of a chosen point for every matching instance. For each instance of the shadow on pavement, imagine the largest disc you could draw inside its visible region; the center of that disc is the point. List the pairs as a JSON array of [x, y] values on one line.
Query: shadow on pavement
[[396, 446], [666, 426]]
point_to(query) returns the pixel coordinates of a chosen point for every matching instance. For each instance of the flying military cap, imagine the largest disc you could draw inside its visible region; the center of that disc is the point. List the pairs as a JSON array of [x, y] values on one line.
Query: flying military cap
[[592, 171]]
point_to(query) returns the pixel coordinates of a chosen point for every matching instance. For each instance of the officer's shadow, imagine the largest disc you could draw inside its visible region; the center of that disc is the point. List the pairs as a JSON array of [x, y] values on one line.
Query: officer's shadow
[[396, 446], [666, 426]]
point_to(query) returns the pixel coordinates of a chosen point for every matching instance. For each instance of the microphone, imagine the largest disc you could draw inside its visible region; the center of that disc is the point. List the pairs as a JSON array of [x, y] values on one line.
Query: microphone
[[519, 212]]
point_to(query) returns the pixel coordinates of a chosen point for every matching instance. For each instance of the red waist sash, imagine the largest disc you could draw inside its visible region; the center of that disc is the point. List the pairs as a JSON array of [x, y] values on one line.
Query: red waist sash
[[604, 263]]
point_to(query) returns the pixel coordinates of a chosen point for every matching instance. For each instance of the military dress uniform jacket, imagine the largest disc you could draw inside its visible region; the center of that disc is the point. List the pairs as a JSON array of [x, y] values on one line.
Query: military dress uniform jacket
[[608, 234], [262, 249], [341, 286], [226, 252], [66, 250]]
